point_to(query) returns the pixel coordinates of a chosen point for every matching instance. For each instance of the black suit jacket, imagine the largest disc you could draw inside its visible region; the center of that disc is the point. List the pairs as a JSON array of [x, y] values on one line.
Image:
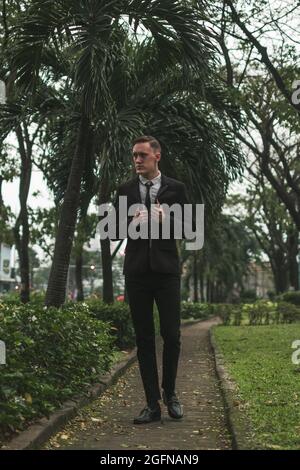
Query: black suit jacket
[[161, 254]]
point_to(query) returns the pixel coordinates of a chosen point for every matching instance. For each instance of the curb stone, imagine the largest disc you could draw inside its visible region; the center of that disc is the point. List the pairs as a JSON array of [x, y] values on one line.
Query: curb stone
[[239, 426], [39, 432]]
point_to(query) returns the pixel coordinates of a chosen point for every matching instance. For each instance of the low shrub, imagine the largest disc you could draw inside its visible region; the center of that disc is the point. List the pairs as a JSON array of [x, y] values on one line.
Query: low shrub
[[119, 317], [225, 312], [13, 298], [262, 312], [196, 310], [292, 297], [51, 356], [287, 312], [248, 296]]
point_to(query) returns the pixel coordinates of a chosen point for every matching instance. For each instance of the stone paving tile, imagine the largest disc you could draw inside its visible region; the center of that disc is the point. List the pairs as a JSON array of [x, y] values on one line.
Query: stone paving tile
[[107, 423]]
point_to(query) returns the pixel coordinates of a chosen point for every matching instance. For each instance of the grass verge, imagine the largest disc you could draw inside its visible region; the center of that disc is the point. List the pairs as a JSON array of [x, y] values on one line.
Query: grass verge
[[259, 360]]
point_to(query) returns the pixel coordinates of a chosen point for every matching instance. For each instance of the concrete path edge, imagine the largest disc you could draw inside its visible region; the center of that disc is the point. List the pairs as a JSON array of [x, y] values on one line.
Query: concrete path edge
[[42, 430], [238, 424]]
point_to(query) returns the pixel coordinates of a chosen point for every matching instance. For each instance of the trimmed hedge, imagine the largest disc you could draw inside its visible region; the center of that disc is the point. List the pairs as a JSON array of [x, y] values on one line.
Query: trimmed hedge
[[261, 312], [292, 297], [55, 354], [197, 310]]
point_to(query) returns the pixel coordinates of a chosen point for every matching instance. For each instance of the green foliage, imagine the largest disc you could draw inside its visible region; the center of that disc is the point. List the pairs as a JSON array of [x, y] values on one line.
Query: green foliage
[[13, 298], [224, 312], [292, 297], [288, 312], [197, 310], [118, 315], [248, 296], [261, 312], [10, 298], [231, 314], [52, 355]]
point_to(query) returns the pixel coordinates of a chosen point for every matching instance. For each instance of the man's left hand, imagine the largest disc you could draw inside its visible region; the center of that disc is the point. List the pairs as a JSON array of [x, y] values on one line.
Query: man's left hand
[[158, 214]]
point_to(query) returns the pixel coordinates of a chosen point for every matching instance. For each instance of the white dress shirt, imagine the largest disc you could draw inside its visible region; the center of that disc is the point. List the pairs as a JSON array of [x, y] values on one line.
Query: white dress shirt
[[153, 189]]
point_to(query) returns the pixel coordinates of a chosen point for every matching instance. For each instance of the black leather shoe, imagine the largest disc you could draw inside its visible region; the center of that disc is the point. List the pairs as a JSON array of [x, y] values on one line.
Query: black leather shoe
[[173, 404], [147, 415]]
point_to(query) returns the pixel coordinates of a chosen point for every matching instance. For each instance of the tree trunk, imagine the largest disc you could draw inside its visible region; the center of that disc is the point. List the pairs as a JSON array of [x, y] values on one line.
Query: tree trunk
[[201, 287], [78, 275], [79, 244], [207, 289], [107, 289], [195, 278], [186, 285], [1, 199], [280, 272], [107, 292], [56, 290], [292, 243], [21, 228], [2, 215], [22, 243]]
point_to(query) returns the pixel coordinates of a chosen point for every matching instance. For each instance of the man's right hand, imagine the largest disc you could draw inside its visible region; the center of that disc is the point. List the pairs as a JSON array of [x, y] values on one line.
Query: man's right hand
[[140, 217]]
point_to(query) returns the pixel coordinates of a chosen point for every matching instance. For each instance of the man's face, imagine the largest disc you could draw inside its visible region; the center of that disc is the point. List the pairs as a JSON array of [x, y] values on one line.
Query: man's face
[[145, 158]]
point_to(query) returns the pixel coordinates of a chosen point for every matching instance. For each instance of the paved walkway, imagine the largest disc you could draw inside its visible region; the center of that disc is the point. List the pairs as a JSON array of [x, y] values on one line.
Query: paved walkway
[[107, 422]]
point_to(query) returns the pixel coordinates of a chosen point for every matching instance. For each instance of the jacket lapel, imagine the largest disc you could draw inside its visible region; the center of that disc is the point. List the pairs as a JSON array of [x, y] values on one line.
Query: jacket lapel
[[136, 190], [163, 187]]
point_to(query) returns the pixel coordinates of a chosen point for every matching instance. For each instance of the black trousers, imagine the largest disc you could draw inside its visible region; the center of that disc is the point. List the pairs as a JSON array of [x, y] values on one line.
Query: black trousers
[[142, 290]]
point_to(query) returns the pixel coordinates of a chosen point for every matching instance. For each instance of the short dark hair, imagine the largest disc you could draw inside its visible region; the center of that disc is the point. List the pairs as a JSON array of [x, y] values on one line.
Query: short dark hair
[[148, 138]]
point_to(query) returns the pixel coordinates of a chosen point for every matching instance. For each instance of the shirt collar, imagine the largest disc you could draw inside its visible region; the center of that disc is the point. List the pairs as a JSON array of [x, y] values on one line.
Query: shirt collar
[[155, 180]]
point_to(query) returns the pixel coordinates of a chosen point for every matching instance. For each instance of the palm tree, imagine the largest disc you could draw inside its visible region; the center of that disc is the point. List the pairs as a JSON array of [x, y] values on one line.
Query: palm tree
[[186, 115], [89, 31], [187, 118]]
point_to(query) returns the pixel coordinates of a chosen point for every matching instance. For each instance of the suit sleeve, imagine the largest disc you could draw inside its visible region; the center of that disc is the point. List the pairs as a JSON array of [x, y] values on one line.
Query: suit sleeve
[[126, 219], [116, 206]]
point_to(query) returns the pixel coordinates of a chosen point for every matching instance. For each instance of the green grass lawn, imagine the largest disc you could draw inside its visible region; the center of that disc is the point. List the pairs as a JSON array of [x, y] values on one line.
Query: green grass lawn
[[259, 359]]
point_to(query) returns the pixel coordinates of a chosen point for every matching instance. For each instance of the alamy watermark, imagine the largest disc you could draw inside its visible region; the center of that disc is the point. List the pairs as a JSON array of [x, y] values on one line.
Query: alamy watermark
[[296, 93], [296, 354], [2, 353], [177, 222]]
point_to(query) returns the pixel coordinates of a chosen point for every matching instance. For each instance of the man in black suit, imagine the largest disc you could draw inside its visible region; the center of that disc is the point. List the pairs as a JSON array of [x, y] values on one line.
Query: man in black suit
[[152, 272]]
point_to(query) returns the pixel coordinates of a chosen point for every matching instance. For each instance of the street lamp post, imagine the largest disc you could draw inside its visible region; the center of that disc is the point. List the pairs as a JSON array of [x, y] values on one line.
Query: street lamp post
[[92, 267]]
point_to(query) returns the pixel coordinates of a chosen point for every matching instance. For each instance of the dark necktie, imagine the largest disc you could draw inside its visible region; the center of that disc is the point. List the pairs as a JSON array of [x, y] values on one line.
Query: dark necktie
[[148, 205]]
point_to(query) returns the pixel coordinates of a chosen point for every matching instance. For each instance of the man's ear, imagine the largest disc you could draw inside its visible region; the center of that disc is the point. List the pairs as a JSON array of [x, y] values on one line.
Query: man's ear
[[158, 157]]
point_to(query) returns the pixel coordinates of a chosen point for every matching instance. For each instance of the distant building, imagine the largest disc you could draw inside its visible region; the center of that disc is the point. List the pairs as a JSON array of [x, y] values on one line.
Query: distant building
[[259, 279], [8, 280]]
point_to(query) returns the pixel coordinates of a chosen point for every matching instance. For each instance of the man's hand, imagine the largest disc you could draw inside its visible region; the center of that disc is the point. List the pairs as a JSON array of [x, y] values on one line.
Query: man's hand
[[157, 213], [140, 217]]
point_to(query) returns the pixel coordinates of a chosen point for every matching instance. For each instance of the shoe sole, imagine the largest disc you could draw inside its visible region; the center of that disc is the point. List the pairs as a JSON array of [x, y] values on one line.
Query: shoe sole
[[157, 418], [175, 417]]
